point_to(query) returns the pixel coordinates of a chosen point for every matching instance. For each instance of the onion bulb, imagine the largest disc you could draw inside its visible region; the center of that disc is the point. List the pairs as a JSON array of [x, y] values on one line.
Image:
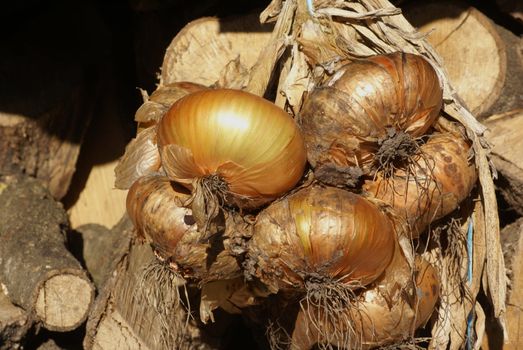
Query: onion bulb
[[368, 107], [438, 177], [390, 311], [230, 146], [154, 205], [320, 236]]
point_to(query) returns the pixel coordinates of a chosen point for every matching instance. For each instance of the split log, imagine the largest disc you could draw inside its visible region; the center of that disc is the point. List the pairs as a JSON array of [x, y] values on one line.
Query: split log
[[512, 239], [212, 51], [14, 323], [505, 134], [485, 72], [39, 273], [101, 249], [48, 90], [134, 311]]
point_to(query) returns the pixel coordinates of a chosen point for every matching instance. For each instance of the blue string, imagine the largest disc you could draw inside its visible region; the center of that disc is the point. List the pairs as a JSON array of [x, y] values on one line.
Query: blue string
[[310, 7], [470, 251]]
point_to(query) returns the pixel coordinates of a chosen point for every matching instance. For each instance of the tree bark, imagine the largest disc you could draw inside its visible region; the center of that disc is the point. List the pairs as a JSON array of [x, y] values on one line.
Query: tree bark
[[14, 323], [38, 271]]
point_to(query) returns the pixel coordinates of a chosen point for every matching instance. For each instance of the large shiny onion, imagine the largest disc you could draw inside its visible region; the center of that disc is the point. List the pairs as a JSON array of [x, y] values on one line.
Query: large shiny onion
[[439, 176], [367, 102], [320, 235], [398, 303], [154, 206], [244, 145]]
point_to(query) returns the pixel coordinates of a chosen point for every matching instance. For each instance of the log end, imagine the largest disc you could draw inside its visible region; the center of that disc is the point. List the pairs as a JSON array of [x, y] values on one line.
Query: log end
[[63, 302]]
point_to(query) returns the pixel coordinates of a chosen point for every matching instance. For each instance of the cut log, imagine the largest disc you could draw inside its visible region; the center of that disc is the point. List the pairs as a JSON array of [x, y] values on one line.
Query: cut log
[[39, 273], [505, 134], [485, 72], [512, 239], [14, 323], [100, 248], [48, 92], [137, 312], [211, 50]]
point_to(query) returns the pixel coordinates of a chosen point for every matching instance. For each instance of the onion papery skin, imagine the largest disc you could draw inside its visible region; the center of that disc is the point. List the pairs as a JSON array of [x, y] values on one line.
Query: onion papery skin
[[152, 110], [141, 158], [440, 177], [323, 233], [155, 206], [344, 120], [390, 311], [254, 146]]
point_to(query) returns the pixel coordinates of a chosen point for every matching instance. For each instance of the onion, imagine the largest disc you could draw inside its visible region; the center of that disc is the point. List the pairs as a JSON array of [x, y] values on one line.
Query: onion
[[387, 313], [382, 101], [154, 204], [438, 177], [232, 147], [320, 237]]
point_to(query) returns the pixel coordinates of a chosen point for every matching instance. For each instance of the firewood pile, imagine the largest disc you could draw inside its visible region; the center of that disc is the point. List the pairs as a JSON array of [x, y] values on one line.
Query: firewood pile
[[289, 174]]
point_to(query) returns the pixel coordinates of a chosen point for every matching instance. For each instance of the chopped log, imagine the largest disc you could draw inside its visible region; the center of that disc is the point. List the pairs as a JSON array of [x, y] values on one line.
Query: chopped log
[[48, 92], [39, 273], [486, 73], [512, 239], [14, 323], [134, 311], [101, 249], [505, 134], [210, 51]]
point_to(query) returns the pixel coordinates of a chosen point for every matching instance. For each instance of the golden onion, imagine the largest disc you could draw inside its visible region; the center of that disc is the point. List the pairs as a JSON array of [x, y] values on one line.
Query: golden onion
[[248, 148], [154, 204], [320, 235], [390, 311], [440, 175], [366, 103]]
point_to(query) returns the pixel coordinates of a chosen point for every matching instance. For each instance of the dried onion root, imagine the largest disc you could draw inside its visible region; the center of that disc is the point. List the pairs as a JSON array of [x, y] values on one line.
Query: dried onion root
[[369, 114], [388, 312], [431, 185], [154, 204]]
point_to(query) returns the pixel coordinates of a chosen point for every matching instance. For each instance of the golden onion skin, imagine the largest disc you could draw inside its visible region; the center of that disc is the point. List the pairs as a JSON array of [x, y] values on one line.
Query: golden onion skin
[[344, 120], [440, 178], [320, 232], [154, 205], [249, 142], [387, 313]]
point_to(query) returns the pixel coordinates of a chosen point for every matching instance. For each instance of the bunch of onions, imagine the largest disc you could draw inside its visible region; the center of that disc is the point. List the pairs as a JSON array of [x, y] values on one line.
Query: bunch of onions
[[154, 204], [438, 177], [390, 311], [320, 240], [370, 108], [230, 147]]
